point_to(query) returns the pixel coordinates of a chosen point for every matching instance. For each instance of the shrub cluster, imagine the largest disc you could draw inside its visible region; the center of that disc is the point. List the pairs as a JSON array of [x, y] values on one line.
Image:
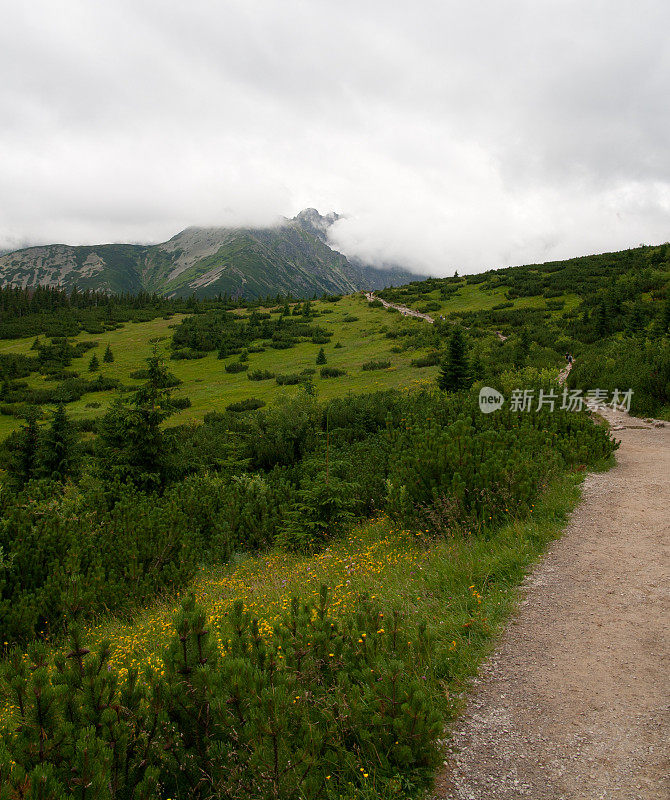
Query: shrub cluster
[[250, 404], [372, 365], [321, 709], [260, 375], [332, 372], [642, 366], [236, 366]]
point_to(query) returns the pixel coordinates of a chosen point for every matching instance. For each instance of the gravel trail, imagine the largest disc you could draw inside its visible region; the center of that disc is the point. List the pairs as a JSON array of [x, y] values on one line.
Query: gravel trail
[[404, 310], [575, 701]]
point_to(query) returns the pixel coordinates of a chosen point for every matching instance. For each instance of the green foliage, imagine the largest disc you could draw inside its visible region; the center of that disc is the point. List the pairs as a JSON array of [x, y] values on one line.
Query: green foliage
[[322, 507], [332, 372], [455, 370], [130, 443], [373, 365], [23, 462], [108, 357], [82, 734], [288, 380], [459, 470], [187, 354], [319, 707], [59, 454], [260, 375], [180, 403], [429, 360], [236, 366], [321, 356], [250, 404], [643, 366]]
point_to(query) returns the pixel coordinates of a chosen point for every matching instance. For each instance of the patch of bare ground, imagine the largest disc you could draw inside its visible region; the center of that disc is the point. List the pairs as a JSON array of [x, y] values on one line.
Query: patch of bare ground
[[575, 701]]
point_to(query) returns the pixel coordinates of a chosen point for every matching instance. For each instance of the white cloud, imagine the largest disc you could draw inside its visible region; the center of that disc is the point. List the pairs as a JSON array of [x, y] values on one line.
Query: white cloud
[[452, 135]]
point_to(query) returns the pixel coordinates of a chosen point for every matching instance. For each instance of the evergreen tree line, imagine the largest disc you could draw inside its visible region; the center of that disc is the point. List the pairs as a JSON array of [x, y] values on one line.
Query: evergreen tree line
[[53, 311]]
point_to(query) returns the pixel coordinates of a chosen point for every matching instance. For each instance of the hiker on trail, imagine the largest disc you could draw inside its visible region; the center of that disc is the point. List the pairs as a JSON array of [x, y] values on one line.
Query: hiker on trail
[[569, 358]]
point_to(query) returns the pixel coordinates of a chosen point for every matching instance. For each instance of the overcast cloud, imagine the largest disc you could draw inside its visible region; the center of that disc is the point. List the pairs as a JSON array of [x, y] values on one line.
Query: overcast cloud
[[451, 134]]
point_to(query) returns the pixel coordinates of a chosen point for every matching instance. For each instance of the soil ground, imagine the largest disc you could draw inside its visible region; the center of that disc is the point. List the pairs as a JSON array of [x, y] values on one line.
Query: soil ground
[[575, 701]]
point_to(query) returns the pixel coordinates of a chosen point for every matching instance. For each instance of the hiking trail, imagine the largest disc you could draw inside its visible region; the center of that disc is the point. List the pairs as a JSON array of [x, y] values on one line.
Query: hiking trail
[[574, 702], [404, 310]]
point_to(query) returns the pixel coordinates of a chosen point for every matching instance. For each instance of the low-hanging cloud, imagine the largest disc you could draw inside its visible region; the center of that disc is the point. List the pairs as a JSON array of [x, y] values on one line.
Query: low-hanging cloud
[[450, 135]]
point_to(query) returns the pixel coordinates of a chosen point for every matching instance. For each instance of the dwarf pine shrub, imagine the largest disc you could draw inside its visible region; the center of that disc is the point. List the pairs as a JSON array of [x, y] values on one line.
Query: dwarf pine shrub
[[316, 707]]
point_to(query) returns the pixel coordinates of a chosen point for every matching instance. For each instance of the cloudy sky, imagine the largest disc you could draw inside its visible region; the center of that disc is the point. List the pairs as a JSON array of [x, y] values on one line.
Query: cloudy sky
[[452, 134]]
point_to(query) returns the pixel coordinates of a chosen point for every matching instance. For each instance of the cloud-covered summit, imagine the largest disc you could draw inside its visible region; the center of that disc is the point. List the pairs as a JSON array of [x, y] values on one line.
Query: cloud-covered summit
[[449, 135]]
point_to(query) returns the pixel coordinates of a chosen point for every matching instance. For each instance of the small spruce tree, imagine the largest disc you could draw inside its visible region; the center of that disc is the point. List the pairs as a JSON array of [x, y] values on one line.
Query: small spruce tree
[[130, 443], [666, 316], [321, 357], [58, 456], [108, 356], [93, 364], [23, 466], [454, 372], [635, 321], [602, 320]]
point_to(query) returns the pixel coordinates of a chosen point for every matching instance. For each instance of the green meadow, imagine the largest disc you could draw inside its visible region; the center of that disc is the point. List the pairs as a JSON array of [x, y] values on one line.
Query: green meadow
[[210, 388]]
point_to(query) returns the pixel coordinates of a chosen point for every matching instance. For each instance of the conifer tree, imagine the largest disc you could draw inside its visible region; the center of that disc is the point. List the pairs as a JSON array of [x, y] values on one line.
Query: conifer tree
[[602, 320], [321, 357], [93, 364], [635, 322], [522, 349], [130, 445], [454, 372], [58, 457], [108, 356], [23, 466]]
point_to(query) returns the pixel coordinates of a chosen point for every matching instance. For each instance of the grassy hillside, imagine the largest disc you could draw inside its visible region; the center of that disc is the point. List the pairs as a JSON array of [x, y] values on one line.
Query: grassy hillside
[[210, 388]]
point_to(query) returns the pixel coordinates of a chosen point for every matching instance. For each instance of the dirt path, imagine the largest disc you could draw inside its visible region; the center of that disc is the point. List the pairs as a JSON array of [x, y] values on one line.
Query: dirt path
[[404, 310], [575, 701]]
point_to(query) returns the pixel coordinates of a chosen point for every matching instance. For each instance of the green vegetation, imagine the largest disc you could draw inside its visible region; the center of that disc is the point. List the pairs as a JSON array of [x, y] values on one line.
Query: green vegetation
[[131, 488], [455, 370], [610, 311], [205, 380]]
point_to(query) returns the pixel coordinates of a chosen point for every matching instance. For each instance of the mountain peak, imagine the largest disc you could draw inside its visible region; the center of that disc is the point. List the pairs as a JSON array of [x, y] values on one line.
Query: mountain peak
[[293, 257], [311, 221]]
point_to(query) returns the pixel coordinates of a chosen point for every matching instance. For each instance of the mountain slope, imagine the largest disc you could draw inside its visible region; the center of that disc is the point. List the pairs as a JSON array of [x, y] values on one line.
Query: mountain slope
[[291, 258]]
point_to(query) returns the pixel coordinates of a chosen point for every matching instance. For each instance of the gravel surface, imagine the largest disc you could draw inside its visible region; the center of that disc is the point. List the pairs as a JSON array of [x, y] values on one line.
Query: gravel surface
[[575, 701]]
